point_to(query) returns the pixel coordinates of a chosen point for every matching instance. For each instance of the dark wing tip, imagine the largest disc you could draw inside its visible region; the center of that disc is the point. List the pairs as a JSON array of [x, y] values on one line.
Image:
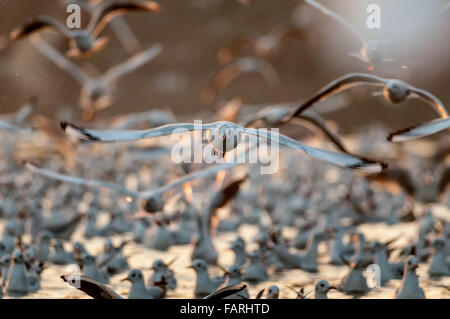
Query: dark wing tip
[[79, 132], [400, 135], [369, 166]]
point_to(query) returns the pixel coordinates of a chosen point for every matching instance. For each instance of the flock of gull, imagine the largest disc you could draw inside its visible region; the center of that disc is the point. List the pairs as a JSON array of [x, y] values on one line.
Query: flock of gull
[[307, 216]]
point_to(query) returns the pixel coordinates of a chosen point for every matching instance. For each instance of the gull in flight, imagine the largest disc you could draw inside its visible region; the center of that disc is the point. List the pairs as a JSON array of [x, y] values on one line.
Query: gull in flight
[[120, 27], [264, 46], [237, 68], [223, 137], [96, 91], [394, 91], [372, 52], [85, 42]]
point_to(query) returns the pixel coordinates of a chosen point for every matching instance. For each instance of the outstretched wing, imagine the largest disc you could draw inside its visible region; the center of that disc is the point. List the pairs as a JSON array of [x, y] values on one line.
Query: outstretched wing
[[340, 84], [340, 159], [61, 61], [338, 18], [225, 292], [430, 99], [37, 24], [79, 181], [105, 12], [420, 131], [109, 136], [133, 63], [26, 110], [91, 287]]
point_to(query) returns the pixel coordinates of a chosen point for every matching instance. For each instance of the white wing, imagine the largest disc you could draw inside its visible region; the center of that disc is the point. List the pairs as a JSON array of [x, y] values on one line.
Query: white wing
[[133, 63], [339, 159], [109, 136], [339, 19], [419, 131], [79, 181], [12, 127], [60, 60]]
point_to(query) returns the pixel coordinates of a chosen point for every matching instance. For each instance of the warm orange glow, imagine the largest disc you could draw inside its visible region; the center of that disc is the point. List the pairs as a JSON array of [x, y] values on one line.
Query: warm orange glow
[[187, 189]]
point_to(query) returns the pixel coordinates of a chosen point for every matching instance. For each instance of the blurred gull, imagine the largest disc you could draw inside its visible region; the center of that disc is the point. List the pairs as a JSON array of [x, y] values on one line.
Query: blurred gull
[[85, 42]]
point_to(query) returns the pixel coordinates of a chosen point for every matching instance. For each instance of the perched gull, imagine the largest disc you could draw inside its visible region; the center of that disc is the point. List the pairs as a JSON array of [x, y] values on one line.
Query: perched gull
[[264, 46], [372, 52], [321, 289], [223, 133], [85, 42], [409, 288], [96, 91]]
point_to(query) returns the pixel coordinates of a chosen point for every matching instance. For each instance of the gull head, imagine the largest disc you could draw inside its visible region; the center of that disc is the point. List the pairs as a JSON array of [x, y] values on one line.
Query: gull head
[[273, 292], [223, 138], [153, 204], [199, 266], [159, 265], [323, 287], [133, 276], [411, 263], [83, 42], [395, 91], [17, 257], [234, 271]]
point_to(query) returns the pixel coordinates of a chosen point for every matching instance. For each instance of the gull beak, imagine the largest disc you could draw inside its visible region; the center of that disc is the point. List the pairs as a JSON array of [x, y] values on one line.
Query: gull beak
[[415, 266], [124, 279], [332, 287], [190, 267]]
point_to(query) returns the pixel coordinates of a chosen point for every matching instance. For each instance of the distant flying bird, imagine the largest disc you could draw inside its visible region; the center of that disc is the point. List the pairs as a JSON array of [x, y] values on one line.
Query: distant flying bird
[[224, 137], [264, 46], [120, 27], [237, 68], [394, 91], [96, 93], [85, 42], [372, 52]]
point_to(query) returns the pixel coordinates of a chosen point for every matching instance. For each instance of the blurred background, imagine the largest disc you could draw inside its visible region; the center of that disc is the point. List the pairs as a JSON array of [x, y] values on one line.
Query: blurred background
[[192, 32]]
